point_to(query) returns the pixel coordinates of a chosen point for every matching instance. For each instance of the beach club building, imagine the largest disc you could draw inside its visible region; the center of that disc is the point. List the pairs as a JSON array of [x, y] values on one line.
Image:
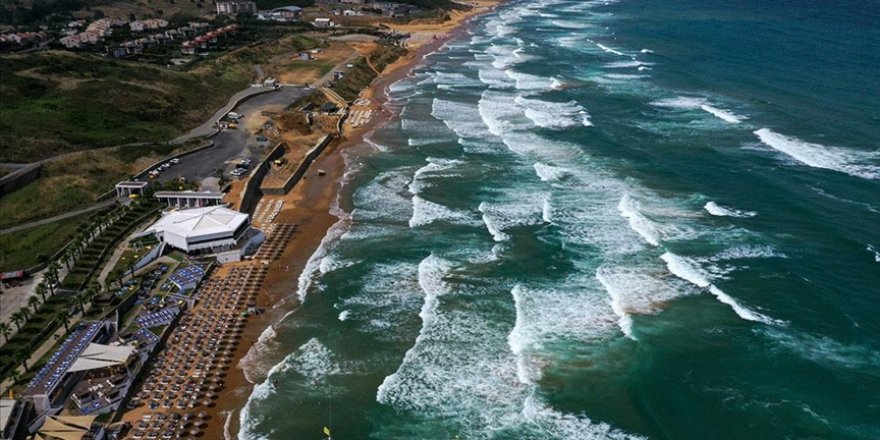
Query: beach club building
[[209, 231]]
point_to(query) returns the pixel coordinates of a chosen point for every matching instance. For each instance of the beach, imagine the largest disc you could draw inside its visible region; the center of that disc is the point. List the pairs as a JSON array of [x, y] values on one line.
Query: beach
[[309, 206], [592, 220]]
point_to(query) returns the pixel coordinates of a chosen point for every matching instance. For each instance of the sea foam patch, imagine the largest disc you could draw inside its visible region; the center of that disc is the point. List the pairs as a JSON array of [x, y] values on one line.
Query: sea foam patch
[[691, 272], [856, 163]]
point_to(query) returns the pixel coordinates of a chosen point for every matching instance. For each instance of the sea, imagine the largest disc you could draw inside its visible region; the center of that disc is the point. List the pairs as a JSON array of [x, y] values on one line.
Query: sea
[[629, 219]]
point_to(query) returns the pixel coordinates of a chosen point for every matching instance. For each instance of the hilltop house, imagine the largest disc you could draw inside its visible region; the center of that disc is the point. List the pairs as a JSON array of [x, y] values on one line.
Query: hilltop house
[[323, 22], [236, 7]]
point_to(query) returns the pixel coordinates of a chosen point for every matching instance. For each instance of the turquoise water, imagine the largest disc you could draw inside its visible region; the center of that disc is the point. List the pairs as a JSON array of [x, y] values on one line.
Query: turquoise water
[[598, 220]]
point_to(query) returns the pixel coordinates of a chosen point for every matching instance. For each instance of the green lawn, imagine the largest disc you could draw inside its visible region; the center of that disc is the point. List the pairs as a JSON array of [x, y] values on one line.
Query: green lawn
[[19, 250]]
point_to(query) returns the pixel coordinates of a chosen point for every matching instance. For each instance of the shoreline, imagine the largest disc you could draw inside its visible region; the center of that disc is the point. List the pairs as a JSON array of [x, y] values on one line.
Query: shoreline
[[315, 201]]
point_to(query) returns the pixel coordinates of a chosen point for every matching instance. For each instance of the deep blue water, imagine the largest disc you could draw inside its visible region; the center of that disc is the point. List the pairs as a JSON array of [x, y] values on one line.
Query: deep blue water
[[630, 219]]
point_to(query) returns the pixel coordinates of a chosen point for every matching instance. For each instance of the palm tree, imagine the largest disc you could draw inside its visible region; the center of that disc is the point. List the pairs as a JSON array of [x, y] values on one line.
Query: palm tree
[[18, 318], [5, 330], [81, 300], [41, 290], [62, 316], [68, 257], [93, 290], [52, 275], [34, 302]]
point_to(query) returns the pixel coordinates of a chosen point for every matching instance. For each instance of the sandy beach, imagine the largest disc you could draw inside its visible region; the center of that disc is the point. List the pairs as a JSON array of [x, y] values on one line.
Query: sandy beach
[[309, 207]]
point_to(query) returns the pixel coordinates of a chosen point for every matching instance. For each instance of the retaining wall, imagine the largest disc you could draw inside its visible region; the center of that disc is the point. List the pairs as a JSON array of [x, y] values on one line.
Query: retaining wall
[[251, 193], [19, 178], [301, 169]]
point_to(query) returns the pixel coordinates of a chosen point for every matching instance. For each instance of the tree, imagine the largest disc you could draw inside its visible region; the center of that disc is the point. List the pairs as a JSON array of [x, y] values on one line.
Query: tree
[[5, 330], [52, 275], [81, 301], [34, 302], [41, 290], [62, 316], [18, 318], [67, 257]]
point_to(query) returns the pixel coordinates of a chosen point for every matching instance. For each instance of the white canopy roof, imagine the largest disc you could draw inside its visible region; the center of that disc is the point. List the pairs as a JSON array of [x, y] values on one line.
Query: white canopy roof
[[66, 427], [200, 221], [100, 356]]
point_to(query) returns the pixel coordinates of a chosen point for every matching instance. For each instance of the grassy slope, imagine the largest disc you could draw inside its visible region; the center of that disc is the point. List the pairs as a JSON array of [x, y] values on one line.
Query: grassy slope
[[56, 102], [76, 180], [23, 249], [361, 75]]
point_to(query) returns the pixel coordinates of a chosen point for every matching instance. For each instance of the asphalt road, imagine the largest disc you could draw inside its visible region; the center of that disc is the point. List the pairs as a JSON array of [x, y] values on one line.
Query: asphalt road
[[230, 146]]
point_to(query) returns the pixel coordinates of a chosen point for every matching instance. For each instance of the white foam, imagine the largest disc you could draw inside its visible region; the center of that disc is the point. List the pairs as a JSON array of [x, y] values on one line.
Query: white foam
[[572, 24], [547, 210], [629, 209], [264, 390], [626, 64], [463, 119], [518, 342], [855, 163], [549, 173], [344, 315], [493, 229], [431, 272], [529, 82], [385, 197], [876, 251], [690, 272], [557, 425], [747, 252], [512, 209], [554, 115], [699, 103], [496, 78], [435, 168], [331, 262], [313, 265], [568, 312], [610, 50], [314, 361], [720, 211], [571, 41], [617, 305], [646, 51], [824, 350], [722, 114], [426, 212]]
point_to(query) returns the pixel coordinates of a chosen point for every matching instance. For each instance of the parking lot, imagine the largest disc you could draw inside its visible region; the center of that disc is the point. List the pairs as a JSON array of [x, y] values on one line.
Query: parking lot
[[232, 145]]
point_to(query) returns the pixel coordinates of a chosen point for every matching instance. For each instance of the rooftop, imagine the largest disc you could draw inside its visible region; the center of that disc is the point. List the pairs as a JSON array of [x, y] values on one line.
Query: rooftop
[[200, 221]]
